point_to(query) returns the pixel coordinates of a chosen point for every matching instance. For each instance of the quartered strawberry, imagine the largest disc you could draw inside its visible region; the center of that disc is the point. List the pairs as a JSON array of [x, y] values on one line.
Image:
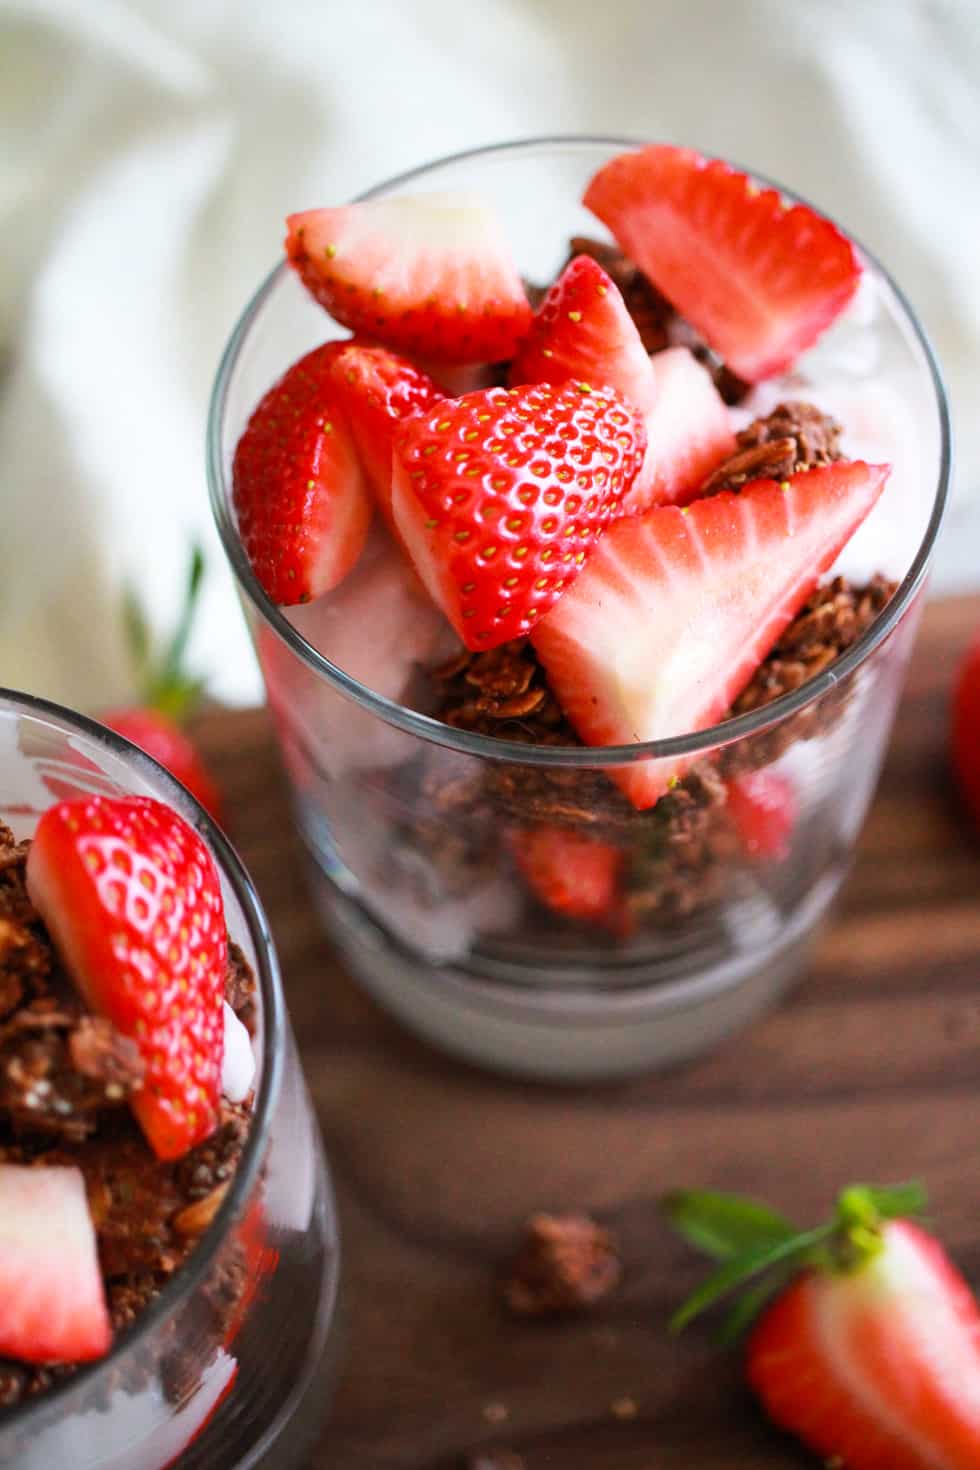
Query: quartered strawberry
[[54, 1308], [762, 805], [573, 875], [870, 1352], [429, 274], [500, 496], [132, 900], [677, 608], [966, 731], [378, 390], [583, 332], [299, 492], [758, 278]]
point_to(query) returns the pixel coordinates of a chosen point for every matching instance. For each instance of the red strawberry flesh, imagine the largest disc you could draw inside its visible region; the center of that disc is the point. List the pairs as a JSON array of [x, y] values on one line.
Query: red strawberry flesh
[[762, 805], [878, 1367], [428, 274], [500, 496], [299, 492], [758, 278], [54, 1308], [132, 900], [676, 609], [572, 875]]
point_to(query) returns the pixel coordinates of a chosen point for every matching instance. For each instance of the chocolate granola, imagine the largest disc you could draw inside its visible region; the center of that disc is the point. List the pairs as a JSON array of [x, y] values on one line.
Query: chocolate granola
[[65, 1080], [566, 1263]]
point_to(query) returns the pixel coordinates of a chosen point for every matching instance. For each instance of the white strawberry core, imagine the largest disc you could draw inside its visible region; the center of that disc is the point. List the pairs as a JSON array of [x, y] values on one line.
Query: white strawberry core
[[238, 1065]]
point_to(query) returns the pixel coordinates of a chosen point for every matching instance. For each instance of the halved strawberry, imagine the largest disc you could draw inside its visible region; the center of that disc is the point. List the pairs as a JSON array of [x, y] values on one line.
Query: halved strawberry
[[583, 332], [54, 1308], [871, 1353], [760, 279], [378, 390], [574, 875], [164, 740], [762, 805], [299, 491], [132, 900], [676, 609], [428, 274], [965, 735], [500, 496]]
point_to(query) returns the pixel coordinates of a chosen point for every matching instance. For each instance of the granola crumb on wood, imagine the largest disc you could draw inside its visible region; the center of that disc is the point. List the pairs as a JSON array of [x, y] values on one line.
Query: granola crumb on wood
[[566, 1263]]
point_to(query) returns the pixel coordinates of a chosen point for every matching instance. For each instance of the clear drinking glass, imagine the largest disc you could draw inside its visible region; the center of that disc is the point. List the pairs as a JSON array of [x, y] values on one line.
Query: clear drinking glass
[[409, 823], [175, 1384]]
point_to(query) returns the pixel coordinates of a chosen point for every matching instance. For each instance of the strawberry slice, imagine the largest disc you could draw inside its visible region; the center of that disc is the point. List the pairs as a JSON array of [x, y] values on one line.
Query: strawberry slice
[[583, 332], [965, 734], [500, 496], [689, 432], [572, 875], [298, 488], [132, 900], [762, 805], [378, 390], [676, 609], [870, 1352], [54, 1308], [429, 274], [758, 278]]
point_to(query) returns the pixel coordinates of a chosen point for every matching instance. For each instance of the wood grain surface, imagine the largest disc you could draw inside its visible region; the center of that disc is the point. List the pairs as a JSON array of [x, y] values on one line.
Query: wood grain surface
[[871, 1070]]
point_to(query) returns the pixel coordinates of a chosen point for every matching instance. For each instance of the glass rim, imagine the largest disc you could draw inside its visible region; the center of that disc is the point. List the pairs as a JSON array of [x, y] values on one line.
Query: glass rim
[[189, 1277], [491, 747]]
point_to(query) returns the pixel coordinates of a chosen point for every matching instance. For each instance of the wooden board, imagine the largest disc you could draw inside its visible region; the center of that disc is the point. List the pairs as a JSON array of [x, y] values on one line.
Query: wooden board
[[870, 1070]]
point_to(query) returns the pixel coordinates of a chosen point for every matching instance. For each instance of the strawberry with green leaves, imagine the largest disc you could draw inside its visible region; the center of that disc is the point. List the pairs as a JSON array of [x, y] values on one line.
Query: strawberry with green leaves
[[864, 1339], [167, 695], [500, 497], [427, 274], [132, 900]]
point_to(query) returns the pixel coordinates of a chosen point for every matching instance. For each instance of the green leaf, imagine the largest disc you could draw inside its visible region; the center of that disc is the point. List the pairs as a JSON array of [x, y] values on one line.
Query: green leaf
[[897, 1201], [137, 632], [743, 1268], [751, 1302], [724, 1225]]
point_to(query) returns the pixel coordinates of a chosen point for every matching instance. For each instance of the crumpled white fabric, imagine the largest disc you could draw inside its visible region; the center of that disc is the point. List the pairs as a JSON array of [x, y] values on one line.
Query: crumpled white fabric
[[149, 150]]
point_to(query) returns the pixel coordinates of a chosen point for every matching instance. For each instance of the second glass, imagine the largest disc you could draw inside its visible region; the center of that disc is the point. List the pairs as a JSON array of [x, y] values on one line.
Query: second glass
[[413, 825]]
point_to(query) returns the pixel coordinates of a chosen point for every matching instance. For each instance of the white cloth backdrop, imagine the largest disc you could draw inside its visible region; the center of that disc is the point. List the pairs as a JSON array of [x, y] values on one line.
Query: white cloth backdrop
[[150, 148]]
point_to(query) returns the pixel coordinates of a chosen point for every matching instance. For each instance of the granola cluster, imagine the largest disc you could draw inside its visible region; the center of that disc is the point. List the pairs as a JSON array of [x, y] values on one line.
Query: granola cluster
[[65, 1078], [566, 1263]]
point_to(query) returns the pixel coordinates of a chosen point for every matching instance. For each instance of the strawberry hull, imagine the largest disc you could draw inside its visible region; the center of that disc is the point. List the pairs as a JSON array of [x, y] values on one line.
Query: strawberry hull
[[676, 610]]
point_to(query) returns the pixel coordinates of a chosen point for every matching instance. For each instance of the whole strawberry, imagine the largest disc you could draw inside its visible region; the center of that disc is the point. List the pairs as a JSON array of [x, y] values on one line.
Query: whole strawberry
[[132, 900], [166, 696], [868, 1343], [501, 495], [965, 735]]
